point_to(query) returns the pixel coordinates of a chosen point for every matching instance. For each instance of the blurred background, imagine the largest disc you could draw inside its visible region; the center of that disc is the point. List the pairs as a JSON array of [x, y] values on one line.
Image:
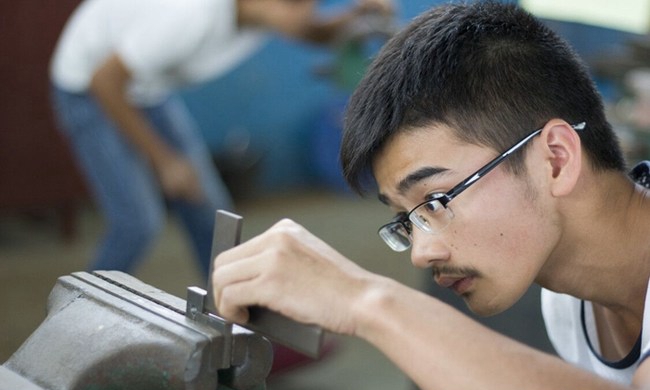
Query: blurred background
[[273, 126]]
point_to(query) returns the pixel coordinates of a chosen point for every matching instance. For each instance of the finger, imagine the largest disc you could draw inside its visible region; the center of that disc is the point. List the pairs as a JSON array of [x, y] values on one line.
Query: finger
[[232, 312], [233, 273], [234, 302], [233, 299]]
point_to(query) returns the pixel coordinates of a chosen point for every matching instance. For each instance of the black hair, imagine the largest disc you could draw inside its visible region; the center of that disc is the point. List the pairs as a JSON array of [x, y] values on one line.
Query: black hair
[[490, 71]]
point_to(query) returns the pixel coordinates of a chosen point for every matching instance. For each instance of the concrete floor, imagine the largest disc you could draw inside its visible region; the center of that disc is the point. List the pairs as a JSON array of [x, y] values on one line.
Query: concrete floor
[[33, 255]]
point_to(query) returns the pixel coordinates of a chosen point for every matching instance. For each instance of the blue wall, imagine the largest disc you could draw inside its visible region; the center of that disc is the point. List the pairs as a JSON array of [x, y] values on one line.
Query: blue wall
[[274, 98]]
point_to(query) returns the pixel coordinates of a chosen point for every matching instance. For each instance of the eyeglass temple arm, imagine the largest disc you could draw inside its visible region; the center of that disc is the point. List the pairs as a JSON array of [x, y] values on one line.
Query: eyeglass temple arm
[[462, 186]]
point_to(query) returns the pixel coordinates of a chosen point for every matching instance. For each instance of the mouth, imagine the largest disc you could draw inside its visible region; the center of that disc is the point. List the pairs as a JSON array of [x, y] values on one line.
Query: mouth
[[458, 284]]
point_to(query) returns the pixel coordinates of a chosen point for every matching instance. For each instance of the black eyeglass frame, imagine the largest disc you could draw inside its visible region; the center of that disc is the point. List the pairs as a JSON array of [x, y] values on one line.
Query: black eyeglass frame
[[447, 197]]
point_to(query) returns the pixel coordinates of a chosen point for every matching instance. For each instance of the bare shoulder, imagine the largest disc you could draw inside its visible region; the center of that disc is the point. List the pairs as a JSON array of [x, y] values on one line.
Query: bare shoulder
[[642, 375]]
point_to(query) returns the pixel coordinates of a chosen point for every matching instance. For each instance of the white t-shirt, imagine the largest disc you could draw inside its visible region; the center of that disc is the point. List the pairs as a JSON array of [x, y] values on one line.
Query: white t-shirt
[[165, 44], [571, 328]]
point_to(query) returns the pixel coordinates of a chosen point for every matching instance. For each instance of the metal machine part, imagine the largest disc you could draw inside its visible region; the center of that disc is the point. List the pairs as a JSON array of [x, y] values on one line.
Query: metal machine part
[[109, 330], [306, 339]]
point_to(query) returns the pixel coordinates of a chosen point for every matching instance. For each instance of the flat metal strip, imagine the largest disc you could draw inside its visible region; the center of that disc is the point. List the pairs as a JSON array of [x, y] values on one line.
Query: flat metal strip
[[226, 234]]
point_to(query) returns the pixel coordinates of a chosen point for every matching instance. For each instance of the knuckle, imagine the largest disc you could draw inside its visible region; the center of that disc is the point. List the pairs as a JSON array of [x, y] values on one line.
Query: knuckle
[[287, 225], [277, 256]]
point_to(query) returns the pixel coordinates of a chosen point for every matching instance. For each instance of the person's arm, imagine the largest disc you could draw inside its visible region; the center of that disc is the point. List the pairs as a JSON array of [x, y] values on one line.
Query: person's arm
[[109, 86], [290, 271], [440, 348], [300, 20], [325, 30]]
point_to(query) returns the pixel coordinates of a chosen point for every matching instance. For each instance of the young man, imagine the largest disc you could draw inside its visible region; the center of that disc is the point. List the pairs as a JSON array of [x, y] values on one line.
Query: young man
[[114, 73], [488, 140]]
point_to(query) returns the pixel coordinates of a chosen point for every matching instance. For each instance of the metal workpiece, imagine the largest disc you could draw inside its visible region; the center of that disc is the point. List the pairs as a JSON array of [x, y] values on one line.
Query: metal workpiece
[[226, 234], [108, 330], [243, 349]]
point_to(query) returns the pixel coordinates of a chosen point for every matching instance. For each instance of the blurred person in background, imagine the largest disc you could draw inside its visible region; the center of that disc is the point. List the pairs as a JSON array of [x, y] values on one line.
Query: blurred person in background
[[114, 73]]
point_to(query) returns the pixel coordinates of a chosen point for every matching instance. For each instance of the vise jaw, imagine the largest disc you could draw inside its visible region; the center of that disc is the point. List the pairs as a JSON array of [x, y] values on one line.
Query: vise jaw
[[108, 330]]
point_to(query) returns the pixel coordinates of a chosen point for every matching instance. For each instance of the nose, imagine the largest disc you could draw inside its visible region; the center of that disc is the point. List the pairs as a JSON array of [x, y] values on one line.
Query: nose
[[427, 249]]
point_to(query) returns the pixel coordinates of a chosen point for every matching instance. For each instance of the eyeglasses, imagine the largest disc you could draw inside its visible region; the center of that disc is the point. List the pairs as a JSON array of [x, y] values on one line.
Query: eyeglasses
[[433, 216]]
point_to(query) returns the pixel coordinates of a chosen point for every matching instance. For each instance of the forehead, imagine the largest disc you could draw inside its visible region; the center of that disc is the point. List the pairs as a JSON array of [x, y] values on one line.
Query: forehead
[[424, 154]]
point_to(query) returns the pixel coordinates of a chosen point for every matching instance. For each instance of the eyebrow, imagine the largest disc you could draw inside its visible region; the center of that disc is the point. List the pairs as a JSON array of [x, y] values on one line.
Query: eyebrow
[[417, 176], [413, 178]]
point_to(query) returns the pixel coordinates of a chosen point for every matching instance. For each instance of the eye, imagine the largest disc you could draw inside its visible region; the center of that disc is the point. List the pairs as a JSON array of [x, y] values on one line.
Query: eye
[[408, 225], [403, 218], [434, 196], [431, 206]]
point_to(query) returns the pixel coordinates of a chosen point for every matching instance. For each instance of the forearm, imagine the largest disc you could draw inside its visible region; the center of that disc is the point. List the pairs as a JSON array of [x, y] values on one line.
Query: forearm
[[325, 30], [108, 85], [440, 348]]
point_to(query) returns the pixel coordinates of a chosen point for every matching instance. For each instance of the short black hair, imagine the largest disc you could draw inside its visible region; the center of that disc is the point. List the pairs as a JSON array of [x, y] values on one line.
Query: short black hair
[[490, 71]]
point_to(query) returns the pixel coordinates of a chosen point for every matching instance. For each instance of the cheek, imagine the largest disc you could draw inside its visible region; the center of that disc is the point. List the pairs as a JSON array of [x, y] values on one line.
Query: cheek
[[493, 229], [511, 235], [504, 223], [502, 232], [508, 266], [506, 241]]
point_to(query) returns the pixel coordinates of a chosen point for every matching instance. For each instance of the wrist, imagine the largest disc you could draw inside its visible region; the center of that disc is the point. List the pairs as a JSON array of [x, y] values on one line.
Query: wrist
[[372, 306]]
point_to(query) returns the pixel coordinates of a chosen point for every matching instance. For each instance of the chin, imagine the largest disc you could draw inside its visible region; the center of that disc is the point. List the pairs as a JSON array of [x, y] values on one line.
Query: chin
[[485, 309]]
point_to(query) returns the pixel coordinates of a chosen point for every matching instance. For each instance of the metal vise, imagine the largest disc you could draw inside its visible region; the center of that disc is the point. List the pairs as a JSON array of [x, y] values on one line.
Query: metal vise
[[108, 330]]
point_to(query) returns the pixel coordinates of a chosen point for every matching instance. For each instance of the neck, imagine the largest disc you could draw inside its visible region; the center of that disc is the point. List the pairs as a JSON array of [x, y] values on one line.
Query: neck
[[604, 253]]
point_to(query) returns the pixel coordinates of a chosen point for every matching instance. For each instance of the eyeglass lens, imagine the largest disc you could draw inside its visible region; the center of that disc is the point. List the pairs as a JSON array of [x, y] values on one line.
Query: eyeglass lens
[[395, 236], [430, 216]]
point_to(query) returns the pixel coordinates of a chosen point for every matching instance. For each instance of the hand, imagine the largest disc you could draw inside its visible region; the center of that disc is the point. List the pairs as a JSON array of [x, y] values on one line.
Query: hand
[[292, 272], [179, 180]]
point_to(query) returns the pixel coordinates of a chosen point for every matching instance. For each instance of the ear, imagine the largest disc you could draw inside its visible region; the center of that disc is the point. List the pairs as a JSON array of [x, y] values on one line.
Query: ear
[[563, 154]]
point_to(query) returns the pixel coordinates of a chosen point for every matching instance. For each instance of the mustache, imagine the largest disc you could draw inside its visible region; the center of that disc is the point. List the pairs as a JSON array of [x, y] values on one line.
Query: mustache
[[454, 271]]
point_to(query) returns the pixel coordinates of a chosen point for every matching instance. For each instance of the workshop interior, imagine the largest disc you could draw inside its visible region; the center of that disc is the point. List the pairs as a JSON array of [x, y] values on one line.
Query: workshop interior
[[273, 128]]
